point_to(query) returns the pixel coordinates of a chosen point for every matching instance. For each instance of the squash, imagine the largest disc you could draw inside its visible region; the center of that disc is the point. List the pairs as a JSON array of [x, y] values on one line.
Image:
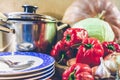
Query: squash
[[81, 9]]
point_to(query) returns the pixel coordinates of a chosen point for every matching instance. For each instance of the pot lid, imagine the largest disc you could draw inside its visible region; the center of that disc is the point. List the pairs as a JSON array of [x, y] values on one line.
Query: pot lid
[[29, 14]]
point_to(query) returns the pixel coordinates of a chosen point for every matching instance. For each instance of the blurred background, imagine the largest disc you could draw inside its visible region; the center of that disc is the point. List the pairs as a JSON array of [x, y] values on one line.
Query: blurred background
[[55, 8]]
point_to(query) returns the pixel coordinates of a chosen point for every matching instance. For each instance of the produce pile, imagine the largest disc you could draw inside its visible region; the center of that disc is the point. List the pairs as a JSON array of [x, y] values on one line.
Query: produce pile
[[89, 50], [82, 9], [91, 47]]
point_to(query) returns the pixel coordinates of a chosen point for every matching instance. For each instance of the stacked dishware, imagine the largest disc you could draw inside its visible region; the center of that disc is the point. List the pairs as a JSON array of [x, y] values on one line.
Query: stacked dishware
[[26, 66]]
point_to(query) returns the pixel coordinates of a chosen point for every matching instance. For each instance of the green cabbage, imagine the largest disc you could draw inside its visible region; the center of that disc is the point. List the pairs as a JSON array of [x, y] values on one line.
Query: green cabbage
[[96, 28]]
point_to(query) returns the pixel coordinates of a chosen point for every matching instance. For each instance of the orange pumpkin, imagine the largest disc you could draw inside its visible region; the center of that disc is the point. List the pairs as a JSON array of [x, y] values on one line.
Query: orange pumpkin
[[81, 9]]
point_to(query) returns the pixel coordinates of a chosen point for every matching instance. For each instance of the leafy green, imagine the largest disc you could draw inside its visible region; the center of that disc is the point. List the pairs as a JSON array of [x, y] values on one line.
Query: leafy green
[[96, 28]]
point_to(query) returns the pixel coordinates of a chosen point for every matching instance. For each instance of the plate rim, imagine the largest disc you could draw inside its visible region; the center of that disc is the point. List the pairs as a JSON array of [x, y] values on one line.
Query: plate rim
[[27, 70], [30, 75], [45, 77]]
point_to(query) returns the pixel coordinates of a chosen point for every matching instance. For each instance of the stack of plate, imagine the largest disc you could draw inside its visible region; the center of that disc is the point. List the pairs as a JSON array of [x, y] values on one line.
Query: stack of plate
[[42, 67]]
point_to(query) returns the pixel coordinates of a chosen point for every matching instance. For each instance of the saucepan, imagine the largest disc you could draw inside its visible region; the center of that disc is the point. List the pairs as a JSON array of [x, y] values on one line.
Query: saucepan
[[34, 32]]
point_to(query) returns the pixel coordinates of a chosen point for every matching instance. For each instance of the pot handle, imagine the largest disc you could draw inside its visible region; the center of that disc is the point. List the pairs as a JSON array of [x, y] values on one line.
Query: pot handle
[[62, 26], [4, 26]]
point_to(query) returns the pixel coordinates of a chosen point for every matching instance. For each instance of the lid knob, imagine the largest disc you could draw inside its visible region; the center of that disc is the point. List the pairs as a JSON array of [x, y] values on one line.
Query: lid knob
[[29, 8]]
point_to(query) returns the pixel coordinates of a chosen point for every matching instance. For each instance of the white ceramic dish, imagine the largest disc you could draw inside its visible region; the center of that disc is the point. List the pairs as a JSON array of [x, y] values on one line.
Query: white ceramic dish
[[42, 62], [32, 75], [47, 76]]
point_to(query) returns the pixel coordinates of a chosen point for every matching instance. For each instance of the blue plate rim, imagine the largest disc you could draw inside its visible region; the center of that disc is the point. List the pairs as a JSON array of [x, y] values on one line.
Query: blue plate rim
[[52, 69], [45, 63]]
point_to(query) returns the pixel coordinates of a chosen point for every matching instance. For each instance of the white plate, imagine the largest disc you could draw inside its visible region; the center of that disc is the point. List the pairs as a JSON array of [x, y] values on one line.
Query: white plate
[[42, 61], [32, 75], [46, 76]]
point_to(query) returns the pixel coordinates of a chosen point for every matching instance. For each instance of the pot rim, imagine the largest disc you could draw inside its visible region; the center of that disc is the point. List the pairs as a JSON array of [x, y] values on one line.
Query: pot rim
[[25, 16]]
